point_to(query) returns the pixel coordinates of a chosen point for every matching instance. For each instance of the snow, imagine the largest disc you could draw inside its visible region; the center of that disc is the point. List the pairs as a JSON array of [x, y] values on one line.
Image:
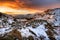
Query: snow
[[5, 30], [57, 37], [25, 32], [39, 31], [56, 14], [10, 21]]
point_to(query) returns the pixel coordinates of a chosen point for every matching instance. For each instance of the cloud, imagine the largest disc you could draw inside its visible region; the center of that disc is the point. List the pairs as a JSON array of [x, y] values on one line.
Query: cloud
[[7, 0], [38, 4], [34, 4]]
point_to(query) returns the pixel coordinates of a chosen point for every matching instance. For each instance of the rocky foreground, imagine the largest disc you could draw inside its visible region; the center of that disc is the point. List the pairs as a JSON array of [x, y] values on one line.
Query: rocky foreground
[[31, 26]]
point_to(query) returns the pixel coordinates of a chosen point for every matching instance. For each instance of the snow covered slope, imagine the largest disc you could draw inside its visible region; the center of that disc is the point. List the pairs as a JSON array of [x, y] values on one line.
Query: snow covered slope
[[40, 27]]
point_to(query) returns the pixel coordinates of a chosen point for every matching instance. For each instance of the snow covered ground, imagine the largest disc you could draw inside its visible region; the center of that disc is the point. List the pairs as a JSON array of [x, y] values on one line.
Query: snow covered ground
[[39, 32], [5, 30]]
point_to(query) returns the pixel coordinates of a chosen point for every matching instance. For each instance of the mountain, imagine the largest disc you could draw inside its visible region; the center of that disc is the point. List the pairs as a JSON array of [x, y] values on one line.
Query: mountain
[[54, 16], [31, 26]]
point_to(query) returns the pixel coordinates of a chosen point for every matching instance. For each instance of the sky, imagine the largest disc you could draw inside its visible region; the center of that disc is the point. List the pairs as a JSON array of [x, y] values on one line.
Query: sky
[[31, 4]]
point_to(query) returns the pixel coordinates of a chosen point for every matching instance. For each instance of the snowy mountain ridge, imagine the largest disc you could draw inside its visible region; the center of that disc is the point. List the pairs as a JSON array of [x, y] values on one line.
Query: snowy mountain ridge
[[33, 27]]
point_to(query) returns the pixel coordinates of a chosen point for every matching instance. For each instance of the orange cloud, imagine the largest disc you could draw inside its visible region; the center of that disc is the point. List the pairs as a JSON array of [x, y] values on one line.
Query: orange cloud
[[23, 6]]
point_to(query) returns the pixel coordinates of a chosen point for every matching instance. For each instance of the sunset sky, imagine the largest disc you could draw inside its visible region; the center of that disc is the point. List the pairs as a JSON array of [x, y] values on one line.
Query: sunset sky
[[28, 6]]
